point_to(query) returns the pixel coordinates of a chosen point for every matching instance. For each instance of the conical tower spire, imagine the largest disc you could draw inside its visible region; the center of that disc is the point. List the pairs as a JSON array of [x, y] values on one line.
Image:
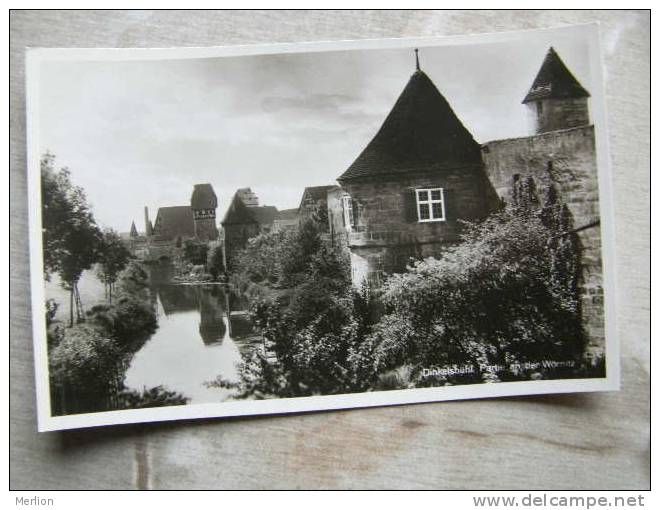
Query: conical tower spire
[[420, 134], [554, 81], [134, 232], [556, 99]]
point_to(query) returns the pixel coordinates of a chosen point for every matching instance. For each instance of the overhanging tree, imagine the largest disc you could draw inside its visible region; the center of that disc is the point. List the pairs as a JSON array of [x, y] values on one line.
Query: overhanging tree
[[71, 238]]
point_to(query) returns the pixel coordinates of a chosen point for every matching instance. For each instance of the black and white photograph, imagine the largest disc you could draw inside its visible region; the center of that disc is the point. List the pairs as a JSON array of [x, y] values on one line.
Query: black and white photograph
[[281, 228]]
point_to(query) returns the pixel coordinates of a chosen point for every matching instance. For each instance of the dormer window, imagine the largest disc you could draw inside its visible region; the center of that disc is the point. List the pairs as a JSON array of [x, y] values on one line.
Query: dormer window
[[430, 204]]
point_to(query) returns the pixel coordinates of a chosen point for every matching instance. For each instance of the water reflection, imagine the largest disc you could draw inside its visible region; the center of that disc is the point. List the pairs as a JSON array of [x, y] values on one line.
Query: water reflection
[[202, 331]]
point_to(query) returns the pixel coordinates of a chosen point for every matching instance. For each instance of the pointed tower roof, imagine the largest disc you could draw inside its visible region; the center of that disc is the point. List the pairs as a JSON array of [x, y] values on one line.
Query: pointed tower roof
[[134, 232], [554, 81], [238, 212], [203, 197], [421, 133]]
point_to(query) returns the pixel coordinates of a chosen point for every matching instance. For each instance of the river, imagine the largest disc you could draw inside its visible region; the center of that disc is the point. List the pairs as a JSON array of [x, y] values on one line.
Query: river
[[202, 331]]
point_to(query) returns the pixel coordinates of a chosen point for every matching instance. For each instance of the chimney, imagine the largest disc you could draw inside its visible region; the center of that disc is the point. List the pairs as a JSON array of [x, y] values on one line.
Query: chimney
[[147, 223]]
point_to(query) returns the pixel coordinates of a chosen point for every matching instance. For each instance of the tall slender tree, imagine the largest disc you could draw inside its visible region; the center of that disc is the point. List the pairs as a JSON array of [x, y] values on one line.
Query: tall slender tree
[[71, 238], [113, 258]]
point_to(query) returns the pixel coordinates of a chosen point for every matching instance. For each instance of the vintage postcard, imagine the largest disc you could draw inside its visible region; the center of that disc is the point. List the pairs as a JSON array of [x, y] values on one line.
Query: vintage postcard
[[296, 227]]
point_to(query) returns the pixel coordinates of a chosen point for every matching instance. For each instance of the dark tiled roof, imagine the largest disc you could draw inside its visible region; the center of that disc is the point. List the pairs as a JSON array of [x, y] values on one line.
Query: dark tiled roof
[[172, 222], [318, 192], [554, 81], [421, 133], [239, 213], [315, 193], [264, 215], [287, 214], [203, 197]]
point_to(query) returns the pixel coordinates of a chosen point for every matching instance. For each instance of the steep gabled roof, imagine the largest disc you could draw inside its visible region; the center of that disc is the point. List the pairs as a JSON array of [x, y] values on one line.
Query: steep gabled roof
[[174, 221], [238, 212], [203, 197], [554, 81], [315, 193], [421, 133], [287, 214], [264, 214]]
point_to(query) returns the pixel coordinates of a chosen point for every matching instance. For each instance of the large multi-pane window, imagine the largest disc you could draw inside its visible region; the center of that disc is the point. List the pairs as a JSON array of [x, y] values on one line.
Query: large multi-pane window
[[430, 204]]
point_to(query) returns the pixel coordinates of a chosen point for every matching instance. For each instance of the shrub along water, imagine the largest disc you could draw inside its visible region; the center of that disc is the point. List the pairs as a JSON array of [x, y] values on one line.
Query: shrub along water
[[304, 304], [89, 358], [88, 361]]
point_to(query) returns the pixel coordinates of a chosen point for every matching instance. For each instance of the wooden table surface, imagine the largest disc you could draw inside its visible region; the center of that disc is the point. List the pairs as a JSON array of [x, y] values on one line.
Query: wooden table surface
[[585, 441]]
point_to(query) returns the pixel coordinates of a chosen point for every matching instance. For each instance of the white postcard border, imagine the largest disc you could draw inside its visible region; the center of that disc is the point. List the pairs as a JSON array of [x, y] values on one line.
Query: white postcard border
[[46, 422]]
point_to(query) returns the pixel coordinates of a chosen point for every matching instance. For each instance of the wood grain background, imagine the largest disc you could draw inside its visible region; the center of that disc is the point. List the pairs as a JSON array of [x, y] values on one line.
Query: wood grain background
[[584, 441]]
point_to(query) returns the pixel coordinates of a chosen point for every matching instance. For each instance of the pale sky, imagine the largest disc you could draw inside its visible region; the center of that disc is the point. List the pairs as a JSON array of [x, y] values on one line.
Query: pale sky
[[139, 133]]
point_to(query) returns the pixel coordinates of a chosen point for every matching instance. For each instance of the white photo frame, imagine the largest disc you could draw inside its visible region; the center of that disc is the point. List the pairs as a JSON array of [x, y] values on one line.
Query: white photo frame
[[36, 57]]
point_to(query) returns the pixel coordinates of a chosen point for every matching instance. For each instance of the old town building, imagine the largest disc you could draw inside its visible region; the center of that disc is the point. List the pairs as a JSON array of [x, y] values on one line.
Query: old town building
[[407, 192]]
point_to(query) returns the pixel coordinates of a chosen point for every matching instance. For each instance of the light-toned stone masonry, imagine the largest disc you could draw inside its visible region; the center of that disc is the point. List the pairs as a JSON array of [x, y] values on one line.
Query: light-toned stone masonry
[[565, 159]]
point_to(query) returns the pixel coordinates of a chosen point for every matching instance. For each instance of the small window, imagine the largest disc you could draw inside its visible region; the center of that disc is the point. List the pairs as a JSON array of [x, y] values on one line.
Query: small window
[[539, 107], [430, 204], [349, 214]]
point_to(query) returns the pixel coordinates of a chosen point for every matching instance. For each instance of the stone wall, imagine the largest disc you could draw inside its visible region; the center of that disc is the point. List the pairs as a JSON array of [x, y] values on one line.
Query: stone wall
[[567, 160], [556, 114], [387, 231], [336, 212], [206, 229]]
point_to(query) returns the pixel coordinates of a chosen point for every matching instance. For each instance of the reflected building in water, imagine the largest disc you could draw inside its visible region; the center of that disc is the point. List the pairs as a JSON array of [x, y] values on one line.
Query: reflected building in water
[[212, 327], [222, 314]]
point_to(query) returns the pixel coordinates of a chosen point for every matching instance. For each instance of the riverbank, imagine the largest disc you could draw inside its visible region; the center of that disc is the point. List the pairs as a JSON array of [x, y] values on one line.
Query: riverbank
[[88, 360]]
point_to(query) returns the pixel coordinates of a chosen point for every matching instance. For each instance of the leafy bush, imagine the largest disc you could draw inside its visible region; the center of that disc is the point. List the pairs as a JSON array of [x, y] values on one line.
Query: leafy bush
[[261, 261], [129, 321], [314, 323], [85, 359], [152, 397], [501, 296], [195, 252], [280, 258], [506, 294], [134, 281], [88, 361], [215, 263]]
